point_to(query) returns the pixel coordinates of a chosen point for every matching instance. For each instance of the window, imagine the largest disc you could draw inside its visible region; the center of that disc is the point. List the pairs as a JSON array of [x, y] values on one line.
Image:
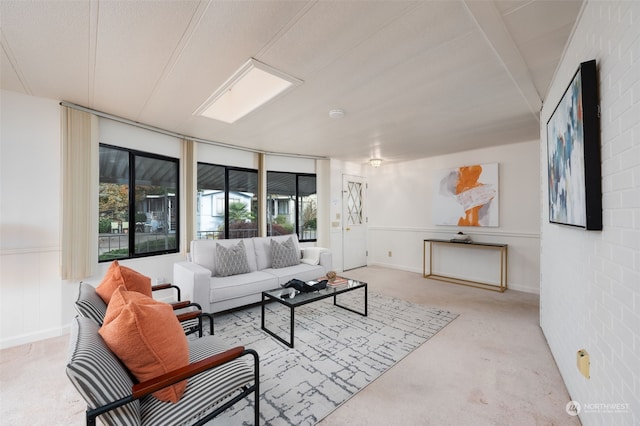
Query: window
[[292, 205], [234, 193], [139, 220]]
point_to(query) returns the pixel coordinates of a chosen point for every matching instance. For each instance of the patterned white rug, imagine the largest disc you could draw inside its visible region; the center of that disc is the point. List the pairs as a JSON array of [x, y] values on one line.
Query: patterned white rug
[[336, 353]]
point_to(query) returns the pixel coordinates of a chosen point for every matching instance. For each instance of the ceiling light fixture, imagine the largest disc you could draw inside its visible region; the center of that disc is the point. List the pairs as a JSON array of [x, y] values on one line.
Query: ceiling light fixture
[[375, 162], [252, 86], [336, 113]]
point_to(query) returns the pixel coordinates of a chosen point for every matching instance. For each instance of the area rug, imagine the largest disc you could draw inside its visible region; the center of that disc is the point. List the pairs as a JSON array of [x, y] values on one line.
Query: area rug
[[336, 353]]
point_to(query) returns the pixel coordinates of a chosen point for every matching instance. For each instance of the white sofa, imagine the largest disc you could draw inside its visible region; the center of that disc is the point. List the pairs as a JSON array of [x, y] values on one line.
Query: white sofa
[[199, 280]]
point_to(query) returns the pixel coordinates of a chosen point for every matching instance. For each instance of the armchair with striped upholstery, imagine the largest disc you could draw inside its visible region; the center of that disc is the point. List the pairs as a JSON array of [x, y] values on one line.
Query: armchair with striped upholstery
[[217, 378]]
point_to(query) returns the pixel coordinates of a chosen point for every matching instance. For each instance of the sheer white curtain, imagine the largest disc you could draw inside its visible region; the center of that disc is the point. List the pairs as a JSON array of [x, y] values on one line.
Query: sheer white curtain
[[262, 194], [80, 170], [190, 177]]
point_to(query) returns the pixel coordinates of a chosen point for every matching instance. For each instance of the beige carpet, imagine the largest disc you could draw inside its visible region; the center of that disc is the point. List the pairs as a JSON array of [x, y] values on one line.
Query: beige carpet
[[491, 366]]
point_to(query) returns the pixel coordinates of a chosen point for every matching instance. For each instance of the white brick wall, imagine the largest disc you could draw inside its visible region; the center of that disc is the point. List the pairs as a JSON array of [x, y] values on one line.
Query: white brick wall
[[590, 280]]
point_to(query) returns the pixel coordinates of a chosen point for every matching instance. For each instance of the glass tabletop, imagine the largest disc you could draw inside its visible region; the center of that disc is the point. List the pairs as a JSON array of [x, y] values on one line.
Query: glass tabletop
[[292, 297]]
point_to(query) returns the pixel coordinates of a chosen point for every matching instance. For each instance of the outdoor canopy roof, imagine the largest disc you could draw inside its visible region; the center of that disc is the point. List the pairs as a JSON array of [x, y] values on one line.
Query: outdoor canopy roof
[[114, 168], [152, 171], [280, 183]]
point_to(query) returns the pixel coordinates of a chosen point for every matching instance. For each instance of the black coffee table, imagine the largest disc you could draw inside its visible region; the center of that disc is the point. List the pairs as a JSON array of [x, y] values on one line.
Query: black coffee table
[[293, 299]]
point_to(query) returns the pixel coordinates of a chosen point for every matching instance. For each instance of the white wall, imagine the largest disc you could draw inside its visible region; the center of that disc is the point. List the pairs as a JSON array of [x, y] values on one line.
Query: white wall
[[590, 280], [30, 286], [400, 210], [35, 303], [223, 156]]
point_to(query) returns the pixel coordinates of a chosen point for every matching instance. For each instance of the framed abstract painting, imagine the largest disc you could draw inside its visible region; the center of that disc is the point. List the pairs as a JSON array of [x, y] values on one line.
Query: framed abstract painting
[[467, 196], [573, 151]]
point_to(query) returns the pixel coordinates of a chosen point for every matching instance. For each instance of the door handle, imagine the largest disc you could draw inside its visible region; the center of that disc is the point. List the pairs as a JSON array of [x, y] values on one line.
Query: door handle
[[347, 229]]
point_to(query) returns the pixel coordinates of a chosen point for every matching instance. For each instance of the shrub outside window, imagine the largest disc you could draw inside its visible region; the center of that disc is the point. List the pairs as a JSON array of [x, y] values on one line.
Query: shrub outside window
[[139, 220]]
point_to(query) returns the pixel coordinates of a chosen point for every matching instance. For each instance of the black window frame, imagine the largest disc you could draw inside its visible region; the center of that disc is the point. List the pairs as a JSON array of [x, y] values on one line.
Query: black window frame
[[227, 170], [297, 197], [132, 231]]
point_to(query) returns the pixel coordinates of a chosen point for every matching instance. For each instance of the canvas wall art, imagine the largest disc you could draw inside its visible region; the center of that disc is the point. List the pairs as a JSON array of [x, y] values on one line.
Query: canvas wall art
[[467, 196], [573, 150]]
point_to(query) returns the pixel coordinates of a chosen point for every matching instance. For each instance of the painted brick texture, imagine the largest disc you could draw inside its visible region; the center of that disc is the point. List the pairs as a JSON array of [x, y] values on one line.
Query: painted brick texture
[[590, 280]]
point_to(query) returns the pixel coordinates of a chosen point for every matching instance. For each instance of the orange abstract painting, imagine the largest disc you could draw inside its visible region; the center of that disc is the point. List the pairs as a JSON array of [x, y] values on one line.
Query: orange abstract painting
[[467, 196]]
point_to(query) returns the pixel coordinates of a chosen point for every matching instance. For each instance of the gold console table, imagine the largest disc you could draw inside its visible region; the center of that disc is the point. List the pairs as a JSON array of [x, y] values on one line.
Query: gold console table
[[501, 287]]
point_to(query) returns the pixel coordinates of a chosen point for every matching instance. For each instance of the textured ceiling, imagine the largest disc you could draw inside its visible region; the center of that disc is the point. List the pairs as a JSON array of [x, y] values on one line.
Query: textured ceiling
[[415, 78]]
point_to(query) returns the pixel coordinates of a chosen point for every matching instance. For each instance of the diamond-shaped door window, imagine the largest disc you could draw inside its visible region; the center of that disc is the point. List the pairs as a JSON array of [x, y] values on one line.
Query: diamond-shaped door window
[[354, 203]]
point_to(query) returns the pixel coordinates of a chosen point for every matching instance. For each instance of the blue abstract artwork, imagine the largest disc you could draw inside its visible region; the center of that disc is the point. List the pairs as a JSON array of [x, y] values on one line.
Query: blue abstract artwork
[[566, 161]]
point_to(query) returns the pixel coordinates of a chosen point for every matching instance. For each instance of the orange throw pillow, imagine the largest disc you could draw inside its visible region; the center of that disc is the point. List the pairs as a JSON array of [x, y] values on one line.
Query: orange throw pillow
[[118, 275], [147, 337]]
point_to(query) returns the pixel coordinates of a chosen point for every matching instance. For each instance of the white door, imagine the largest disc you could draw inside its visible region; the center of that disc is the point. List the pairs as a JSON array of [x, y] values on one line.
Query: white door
[[354, 223]]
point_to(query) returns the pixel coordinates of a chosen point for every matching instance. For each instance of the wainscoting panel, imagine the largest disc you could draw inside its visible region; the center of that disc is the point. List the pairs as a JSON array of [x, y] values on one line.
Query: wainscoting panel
[[402, 248]]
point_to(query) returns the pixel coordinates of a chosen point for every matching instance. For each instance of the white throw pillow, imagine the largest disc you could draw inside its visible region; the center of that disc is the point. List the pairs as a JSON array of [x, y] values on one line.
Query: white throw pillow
[[311, 255]]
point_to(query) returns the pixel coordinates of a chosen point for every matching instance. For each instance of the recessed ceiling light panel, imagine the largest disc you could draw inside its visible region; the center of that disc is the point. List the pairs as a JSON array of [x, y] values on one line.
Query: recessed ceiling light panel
[[252, 86]]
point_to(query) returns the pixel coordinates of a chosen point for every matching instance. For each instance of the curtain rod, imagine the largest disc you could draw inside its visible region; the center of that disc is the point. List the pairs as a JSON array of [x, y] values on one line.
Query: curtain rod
[[181, 136]]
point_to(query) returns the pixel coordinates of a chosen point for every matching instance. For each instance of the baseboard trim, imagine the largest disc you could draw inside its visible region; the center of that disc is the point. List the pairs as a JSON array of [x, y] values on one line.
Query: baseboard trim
[[524, 289], [510, 286], [397, 267], [25, 339], [30, 250]]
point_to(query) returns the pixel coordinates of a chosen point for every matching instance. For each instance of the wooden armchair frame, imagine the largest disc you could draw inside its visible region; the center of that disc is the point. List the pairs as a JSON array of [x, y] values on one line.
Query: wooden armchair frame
[[187, 316], [143, 389]]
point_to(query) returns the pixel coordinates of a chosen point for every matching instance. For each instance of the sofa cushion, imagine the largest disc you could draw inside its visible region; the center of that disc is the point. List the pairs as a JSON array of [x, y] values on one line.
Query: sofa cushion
[[225, 288], [147, 337], [284, 254], [301, 271], [231, 260], [118, 275], [203, 253], [98, 375]]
